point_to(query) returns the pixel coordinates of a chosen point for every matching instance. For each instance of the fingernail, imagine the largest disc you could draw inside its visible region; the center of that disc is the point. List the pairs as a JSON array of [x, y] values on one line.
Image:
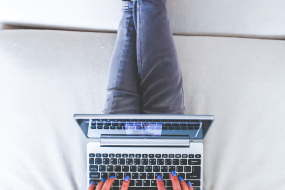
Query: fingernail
[[180, 178], [173, 173], [112, 176], [159, 177], [190, 184], [127, 178], [92, 182], [104, 179]]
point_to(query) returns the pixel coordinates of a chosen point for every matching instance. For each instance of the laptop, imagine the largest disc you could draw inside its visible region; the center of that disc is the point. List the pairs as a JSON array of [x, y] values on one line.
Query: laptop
[[144, 146]]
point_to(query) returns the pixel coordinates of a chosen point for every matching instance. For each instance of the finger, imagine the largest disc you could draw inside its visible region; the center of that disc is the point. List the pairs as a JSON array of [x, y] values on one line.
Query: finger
[[100, 184], [108, 183], [159, 182], [189, 184], [175, 181], [91, 186], [183, 183], [126, 183]]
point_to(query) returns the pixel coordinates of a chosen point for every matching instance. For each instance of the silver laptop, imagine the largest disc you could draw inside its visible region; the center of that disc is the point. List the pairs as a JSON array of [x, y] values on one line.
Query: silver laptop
[[144, 146]]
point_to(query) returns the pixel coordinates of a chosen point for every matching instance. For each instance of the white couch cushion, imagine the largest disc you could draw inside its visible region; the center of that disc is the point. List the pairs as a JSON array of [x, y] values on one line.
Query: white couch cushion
[[47, 76], [254, 18]]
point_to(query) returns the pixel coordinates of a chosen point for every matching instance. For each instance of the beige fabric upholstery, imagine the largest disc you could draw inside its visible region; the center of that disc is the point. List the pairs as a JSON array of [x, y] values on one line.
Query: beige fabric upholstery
[[47, 76], [252, 18]]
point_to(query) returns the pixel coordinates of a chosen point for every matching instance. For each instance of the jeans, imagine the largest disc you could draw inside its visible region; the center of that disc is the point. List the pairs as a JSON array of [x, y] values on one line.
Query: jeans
[[144, 75]]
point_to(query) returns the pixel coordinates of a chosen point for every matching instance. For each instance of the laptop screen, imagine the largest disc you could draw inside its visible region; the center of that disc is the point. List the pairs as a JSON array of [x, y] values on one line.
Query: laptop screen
[[193, 126]]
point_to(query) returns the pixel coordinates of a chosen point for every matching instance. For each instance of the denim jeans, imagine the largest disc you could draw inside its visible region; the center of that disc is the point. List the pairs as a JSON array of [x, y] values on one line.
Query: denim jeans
[[144, 75]]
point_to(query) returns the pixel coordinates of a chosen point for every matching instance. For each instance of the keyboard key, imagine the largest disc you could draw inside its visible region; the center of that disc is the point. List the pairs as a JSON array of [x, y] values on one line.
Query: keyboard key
[[137, 161], [164, 168], [142, 175], [99, 127], [144, 155], [133, 169], [98, 161], [164, 156], [177, 155], [191, 155], [129, 161], [105, 155], [106, 127], [148, 168], [104, 175], [129, 174], [138, 183], [183, 161], [102, 168], [93, 126], [94, 175], [119, 127], [175, 161], [131, 155], [110, 168], [160, 161], [106, 161], [92, 155], [179, 169], [91, 160], [121, 182], [111, 174], [196, 169], [187, 168], [111, 155], [158, 155], [194, 162], [156, 168], [165, 176], [169, 183], [113, 161], [156, 174], [141, 188], [177, 128], [171, 155], [117, 168], [135, 176], [196, 188], [184, 128], [138, 155], [118, 155], [182, 175], [116, 183], [93, 168], [167, 161], [151, 156], [144, 161], [121, 161], [146, 182], [119, 175], [113, 127], [95, 181], [152, 161], [198, 156], [193, 176], [125, 155], [132, 183], [125, 168], [171, 168], [140, 168], [195, 182], [171, 128], [98, 155], [150, 175], [184, 155], [153, 183]]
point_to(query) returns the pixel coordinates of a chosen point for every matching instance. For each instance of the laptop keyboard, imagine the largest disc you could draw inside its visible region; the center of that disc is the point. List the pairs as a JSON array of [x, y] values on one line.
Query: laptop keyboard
[[144, 168]]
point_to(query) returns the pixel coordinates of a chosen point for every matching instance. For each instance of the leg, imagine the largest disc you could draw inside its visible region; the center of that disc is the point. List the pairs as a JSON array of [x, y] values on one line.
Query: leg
[[123, 90], [158, 67]]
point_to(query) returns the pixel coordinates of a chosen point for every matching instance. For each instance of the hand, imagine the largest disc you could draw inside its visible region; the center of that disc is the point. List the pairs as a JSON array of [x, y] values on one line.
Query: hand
[[182, 185], [106, 184]]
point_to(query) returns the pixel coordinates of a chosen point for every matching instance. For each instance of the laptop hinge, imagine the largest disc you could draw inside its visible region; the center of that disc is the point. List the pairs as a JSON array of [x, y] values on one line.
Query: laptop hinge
[[138, 141]]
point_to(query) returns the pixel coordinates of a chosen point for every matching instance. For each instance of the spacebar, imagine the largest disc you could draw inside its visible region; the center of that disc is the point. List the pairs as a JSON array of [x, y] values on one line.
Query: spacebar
[[142, 188]]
